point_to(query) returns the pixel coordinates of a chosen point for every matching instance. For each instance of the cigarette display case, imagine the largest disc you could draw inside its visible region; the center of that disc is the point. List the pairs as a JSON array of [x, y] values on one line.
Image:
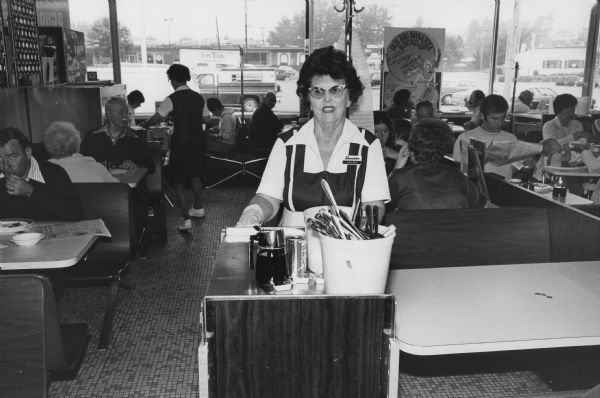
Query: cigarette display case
[[21, 58]]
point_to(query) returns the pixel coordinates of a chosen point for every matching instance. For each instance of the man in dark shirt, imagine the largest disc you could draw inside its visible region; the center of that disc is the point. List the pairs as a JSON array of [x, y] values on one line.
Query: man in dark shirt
[[30, 189], [264, 127], [115, 142]]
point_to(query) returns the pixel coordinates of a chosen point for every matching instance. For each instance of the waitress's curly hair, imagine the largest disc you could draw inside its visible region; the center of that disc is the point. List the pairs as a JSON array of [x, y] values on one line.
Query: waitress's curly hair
[[430, 139], [328, 61]]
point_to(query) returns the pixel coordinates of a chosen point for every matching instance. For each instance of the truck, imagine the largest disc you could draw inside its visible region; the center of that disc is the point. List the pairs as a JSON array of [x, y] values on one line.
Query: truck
[[226, 85]]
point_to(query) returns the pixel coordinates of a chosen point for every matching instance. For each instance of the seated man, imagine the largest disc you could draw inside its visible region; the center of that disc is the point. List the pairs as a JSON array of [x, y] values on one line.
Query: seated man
[[424, 110], [428, 183], [115, 143], [222, 138], [62, 141], [41, 190], [493, 111], [264, 127]]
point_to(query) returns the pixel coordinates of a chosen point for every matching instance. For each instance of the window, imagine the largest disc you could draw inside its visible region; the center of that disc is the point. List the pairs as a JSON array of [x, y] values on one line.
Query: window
[[550, 41], [574, 63], [550, 49], [552, 64]]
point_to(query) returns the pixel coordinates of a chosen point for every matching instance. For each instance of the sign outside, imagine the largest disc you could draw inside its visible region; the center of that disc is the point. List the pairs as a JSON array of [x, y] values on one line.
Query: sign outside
[[413, 61], [193, 58], [53, 13]]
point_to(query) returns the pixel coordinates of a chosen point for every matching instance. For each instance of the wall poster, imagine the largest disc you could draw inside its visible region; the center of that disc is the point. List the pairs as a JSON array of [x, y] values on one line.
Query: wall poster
[[413, 60]]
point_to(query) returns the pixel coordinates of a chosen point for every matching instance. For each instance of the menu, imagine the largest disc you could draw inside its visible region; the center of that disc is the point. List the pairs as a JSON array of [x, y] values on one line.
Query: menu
[[66, 230]]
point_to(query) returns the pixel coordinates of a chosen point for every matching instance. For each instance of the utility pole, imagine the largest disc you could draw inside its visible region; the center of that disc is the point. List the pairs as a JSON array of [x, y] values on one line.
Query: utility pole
[[246, 26], [218, 36]]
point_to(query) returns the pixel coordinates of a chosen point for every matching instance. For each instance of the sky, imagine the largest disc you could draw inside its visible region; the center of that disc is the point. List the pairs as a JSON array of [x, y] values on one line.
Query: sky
[[173, 19]]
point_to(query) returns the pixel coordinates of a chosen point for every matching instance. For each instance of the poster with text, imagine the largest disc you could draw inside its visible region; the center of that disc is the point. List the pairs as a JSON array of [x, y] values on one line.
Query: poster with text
[[413, 60]]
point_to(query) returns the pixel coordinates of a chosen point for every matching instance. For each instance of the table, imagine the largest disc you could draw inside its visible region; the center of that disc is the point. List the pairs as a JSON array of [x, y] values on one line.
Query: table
[[130, 177], [58, 252], [301, 342], [569, 173], [496, 308], [570, 199]]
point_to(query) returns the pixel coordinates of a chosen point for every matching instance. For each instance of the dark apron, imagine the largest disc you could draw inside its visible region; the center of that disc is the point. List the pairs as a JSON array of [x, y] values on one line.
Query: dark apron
[[306, 187]]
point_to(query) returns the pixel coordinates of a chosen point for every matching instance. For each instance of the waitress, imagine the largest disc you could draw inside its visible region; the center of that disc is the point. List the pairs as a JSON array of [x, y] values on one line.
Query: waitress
[[328, 146]]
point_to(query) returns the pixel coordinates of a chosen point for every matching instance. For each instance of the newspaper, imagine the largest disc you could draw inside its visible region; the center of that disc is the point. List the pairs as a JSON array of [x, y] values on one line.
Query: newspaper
[[505, 152], [68, 229]]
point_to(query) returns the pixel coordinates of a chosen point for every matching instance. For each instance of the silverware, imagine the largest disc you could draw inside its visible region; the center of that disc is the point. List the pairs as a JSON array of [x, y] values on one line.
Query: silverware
[[369, 226], [329, 194]]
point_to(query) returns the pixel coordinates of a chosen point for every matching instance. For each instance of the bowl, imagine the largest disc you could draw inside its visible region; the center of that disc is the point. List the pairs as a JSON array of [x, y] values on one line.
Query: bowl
[[27, 239]]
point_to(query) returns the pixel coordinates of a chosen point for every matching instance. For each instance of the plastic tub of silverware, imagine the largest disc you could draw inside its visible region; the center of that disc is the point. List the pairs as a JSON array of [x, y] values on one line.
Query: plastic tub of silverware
[[355, 260], [313, 244]]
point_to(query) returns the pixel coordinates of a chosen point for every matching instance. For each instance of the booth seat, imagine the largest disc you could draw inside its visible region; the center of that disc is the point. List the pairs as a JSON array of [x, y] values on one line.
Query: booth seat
[[34, 347]]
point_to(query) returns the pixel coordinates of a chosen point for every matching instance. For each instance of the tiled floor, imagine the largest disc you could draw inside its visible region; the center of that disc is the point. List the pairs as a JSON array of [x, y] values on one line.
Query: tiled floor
[[156, 331]]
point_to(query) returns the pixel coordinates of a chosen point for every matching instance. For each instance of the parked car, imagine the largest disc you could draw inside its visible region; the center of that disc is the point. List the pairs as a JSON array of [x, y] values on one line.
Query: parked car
[[375, 79], [285, 72], [450, 88], [225, 84], [541, 95]]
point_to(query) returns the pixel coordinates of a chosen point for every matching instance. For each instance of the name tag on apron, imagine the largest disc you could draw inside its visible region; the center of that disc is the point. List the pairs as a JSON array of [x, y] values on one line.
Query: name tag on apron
[[353, 159]]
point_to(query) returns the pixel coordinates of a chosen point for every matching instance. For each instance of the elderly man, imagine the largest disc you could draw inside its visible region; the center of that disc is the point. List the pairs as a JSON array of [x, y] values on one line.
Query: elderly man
[[264, 127], [38, 190], [115, 142]]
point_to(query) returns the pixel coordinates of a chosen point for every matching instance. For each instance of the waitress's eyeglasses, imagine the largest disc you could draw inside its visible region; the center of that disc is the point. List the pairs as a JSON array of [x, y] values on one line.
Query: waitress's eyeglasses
[[319, 93]]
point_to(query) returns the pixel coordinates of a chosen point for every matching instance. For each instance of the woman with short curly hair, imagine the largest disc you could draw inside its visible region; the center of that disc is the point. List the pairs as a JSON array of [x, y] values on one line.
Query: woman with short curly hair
[[329, 147], [429, 182], [62, 141]]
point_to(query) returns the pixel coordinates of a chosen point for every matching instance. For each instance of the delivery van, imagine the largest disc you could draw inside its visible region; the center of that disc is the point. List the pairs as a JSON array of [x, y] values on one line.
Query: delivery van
[[225, 84]]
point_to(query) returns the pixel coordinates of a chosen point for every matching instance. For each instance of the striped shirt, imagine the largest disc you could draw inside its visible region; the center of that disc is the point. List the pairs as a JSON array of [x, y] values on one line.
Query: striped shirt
[[34, 172]]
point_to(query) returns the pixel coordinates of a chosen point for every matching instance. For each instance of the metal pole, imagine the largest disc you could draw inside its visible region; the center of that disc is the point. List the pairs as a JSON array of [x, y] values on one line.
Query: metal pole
[[590, 54], [114, 40], [218, 36], [494, 46], [381, 73], [246, 25], [242, 81]]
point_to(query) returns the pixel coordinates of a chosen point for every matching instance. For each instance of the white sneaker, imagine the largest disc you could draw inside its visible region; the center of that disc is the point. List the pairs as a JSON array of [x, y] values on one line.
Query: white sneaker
[[186, 225], [196, 212]]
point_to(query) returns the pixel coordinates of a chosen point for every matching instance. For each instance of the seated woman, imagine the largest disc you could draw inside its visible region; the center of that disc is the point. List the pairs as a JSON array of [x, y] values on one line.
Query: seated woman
[[329, 146], [473, 105], [62, 141], [393, 136], [429, 183]]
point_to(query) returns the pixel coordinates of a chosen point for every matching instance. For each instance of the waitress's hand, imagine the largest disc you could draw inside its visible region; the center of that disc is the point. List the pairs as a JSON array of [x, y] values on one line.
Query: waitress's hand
[[251, 216], [402, 157]]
